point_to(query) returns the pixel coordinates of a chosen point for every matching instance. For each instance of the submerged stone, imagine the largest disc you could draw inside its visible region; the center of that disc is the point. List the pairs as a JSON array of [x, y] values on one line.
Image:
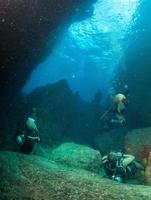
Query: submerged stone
[[138, 143], [78, 156]]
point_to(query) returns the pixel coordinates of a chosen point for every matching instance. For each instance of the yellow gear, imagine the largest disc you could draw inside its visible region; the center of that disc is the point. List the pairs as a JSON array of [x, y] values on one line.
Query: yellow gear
[[118, 104], [118, 98]]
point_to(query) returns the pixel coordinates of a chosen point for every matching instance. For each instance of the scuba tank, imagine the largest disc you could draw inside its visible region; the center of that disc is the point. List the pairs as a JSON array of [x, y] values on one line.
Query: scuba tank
[[20, 139]]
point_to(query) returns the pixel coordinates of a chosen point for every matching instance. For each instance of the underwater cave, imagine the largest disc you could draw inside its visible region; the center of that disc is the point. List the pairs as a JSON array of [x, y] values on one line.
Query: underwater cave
[[75, 83]]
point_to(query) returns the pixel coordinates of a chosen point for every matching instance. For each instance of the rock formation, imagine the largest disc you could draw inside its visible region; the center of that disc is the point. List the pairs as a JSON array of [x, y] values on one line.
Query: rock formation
[[138, 143], [77, 156]]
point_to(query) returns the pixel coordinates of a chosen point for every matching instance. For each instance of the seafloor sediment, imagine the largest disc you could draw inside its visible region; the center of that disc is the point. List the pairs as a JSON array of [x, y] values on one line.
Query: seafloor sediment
[[35, 178]]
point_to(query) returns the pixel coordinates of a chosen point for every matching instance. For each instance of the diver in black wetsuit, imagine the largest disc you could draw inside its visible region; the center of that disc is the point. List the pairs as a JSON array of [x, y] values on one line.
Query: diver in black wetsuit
[[120, 167], [27, 137]]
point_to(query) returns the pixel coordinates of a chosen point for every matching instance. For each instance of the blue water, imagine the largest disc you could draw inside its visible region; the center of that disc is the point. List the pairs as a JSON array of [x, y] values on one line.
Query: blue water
[[89, 53]]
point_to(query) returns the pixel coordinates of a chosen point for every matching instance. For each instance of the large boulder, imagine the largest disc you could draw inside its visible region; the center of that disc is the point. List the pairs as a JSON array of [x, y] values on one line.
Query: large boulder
[[79, 156], [112, 140], [35, 178], [138, 143]]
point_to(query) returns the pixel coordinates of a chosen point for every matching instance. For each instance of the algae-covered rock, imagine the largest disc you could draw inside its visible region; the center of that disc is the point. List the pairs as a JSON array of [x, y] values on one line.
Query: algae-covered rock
[[36, 178], [79, 156], [138, 143], [112, 140]]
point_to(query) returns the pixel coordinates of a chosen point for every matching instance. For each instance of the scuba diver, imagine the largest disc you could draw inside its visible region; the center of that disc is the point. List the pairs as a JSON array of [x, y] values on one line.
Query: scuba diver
[[27, 136], [120, 167], [118, 109]]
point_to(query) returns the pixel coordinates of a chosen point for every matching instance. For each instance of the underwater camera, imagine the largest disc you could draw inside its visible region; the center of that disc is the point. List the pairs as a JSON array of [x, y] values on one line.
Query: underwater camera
[[20, 139]]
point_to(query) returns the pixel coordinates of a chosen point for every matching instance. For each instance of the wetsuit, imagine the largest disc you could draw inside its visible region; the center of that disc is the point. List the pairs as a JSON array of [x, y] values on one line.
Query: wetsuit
[[115, 169]]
